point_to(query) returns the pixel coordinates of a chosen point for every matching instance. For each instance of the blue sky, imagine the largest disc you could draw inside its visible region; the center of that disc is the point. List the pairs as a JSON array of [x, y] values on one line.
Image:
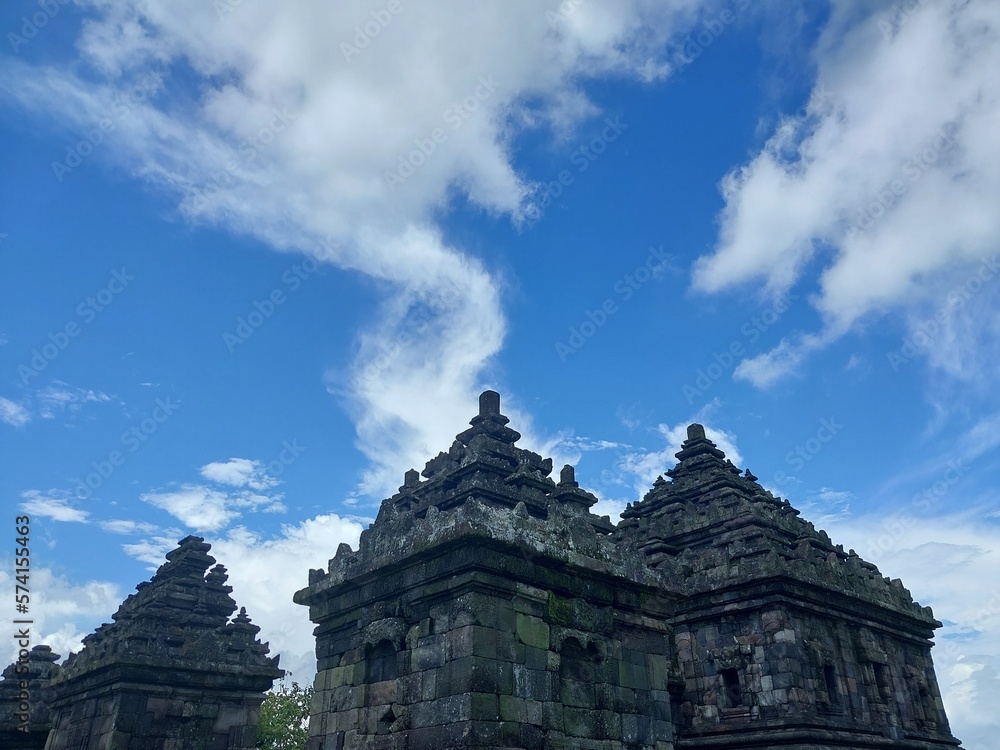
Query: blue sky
[[259, 260]]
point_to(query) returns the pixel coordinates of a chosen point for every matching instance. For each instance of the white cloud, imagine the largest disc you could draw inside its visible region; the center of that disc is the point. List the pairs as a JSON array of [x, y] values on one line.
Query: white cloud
[[768, 368], [206, 509], [65, 611], [889, 183], [589, 444], [59, 397], [826, 506], [195, 506], [645, 466], [123, 526], [54, 504], [13, 413], [265, 573], [286, 140], [49, 402], [153, 550], [239, 472]]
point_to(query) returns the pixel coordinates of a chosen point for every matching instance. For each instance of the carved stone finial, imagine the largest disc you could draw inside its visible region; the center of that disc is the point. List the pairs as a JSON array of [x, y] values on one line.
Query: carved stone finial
[[217, 575], [411, 478], [696, 432], [489, 403], [567, 476]]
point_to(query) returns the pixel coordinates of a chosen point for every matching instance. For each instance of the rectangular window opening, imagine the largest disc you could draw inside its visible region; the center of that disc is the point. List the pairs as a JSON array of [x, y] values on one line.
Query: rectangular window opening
[[731, 686], [880, 677], [830, 676], [882, 680]]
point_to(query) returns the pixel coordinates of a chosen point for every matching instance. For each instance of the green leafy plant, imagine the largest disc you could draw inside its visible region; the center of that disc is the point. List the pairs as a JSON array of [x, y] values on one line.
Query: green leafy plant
[[284, 718]]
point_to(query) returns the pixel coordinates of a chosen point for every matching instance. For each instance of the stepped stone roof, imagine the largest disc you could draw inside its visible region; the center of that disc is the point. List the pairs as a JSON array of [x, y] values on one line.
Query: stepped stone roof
[[722, 526], [707, 525], [179, 620], [488, 488]]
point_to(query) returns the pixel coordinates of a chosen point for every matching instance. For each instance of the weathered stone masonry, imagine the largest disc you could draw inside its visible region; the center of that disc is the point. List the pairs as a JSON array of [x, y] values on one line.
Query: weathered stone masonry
[[25, 698], [487, 607], [172, 672], [782, 637]]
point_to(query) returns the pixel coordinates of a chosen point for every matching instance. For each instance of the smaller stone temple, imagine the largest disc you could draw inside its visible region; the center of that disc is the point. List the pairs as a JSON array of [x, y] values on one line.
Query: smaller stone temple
[[172, 672], [25, 698]]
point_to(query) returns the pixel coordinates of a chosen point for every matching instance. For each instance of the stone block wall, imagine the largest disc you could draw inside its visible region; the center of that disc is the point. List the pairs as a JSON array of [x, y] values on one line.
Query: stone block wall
[[131, 715], [778, 665], [480, 658]]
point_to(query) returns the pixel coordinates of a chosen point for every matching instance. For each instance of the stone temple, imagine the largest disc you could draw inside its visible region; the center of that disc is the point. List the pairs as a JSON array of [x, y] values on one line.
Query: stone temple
[[487, 607], [171, 672]]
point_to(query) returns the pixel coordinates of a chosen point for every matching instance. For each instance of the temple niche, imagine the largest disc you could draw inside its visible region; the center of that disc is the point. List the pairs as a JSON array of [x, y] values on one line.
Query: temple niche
[[488, 607]]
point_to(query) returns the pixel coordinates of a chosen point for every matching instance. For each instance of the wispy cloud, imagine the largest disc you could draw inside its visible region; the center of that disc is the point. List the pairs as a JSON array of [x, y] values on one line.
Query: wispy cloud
[[59, 397], [239, 472], [586, 444], [888, 183], [54, 504], [153, 549], [13, 413], [65, 610], [124, 527], [826, 506], [643, 467], [318, 185], [49, 403], [206, 509]]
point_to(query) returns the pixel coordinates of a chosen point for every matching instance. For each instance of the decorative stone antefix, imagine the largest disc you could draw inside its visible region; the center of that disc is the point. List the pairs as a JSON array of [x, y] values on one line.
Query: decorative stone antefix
[[172, 672], [783, 639], [25, 718], [487, 607]]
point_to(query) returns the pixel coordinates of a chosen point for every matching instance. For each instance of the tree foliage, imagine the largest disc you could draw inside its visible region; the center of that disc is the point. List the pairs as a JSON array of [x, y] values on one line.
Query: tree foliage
[[284, 718]]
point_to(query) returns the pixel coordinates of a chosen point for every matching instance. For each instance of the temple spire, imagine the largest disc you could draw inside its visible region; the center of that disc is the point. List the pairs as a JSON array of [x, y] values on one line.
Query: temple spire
[[489, 421], [489, 403], [697, 454]]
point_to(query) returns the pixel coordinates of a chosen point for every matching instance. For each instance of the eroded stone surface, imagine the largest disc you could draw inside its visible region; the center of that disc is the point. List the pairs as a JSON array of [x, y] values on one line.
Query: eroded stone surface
[[171, 671], [25, 699], [487, 607], [814, 633]]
